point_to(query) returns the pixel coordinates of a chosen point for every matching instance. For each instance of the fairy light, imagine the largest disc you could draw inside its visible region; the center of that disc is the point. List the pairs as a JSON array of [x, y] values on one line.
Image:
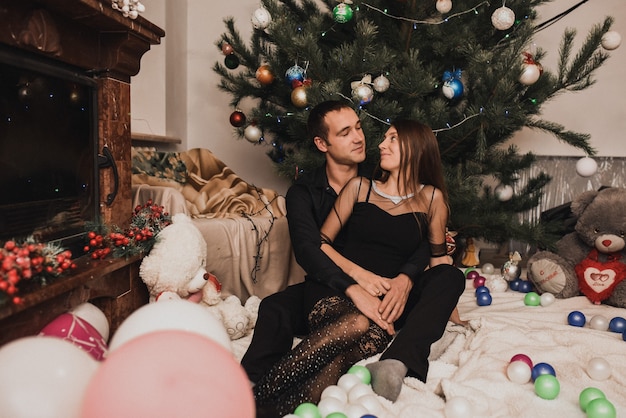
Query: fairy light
[[424, 22]]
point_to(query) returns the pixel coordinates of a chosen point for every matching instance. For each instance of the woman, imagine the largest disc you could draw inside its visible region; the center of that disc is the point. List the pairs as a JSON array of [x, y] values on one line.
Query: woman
[[386, 220]]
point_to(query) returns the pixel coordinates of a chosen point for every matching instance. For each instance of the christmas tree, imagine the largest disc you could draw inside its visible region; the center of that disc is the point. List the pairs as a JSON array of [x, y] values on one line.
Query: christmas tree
[[468, 69]]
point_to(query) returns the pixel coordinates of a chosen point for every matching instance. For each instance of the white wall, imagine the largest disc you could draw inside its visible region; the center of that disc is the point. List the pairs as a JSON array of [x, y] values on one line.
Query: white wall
[[175, 92]]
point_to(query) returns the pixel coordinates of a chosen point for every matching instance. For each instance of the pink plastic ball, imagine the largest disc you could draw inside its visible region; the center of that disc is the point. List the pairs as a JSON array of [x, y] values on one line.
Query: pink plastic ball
[[479, 281], [472, 274], [79, 332], [524, 358], [169, 373]]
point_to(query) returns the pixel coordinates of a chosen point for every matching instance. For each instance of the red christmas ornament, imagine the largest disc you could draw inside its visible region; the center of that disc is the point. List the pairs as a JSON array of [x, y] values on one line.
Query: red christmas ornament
[[237, 118], [227, 48]]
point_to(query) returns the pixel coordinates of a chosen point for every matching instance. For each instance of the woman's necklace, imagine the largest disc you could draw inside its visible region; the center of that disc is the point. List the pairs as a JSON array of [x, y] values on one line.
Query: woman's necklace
[[394, 199]]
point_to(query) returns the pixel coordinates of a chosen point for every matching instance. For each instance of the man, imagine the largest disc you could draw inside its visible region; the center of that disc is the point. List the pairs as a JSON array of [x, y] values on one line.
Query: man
[[336, 131]]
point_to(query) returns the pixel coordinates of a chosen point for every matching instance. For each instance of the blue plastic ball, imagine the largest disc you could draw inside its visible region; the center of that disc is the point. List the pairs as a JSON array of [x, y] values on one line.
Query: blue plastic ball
[[483, 299], [617, 324], [576, 319], [481, 289], [541, 369], [514, 284], [525, 286]]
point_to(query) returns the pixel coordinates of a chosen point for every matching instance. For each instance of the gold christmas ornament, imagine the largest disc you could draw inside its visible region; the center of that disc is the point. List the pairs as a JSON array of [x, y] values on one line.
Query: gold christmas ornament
[[299, 97], [264, 75]]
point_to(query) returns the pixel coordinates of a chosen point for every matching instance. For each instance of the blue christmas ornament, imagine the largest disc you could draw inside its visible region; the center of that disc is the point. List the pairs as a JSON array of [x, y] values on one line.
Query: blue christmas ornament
[[452, 85], [295, 73]]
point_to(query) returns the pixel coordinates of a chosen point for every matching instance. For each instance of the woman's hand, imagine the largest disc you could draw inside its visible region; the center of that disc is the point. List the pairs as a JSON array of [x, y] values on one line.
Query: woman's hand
[[373, 284], [395, 299]]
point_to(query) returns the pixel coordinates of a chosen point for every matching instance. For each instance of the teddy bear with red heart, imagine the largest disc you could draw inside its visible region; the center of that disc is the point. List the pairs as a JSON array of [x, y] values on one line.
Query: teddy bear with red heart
[[592, 259]]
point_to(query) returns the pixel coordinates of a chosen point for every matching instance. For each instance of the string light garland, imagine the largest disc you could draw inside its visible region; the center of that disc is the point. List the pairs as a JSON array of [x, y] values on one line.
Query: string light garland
[[426, 22]]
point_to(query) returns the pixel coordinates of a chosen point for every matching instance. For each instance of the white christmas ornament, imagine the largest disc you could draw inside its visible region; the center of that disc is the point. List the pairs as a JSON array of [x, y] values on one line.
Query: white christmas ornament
[[586, 167], [381, 84], [504, 192], [252, 133], [503, 18], [362, 90], [611, 40], [444, 6], [530, 74], [129, 8], [261, 18]]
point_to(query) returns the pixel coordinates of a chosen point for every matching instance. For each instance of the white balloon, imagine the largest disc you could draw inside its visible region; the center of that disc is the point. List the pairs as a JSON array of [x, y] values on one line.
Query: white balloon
[[599, 322], [599, 369], [329, 405], [546, 299], [94, 317], [519, 372], [335, 391], [347, 381], [178, 314], [358, 390], [43, 377], [458, 407]]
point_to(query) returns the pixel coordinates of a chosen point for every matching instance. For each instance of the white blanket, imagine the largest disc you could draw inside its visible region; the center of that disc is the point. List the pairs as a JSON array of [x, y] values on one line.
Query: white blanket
[[471, 362]]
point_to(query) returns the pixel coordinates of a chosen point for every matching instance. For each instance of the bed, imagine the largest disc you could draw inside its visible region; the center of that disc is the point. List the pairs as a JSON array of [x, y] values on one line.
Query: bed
[[470, 363]]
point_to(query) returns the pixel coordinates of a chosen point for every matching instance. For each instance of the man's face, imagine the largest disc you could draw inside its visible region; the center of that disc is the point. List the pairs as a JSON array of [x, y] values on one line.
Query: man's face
[[345, 143]]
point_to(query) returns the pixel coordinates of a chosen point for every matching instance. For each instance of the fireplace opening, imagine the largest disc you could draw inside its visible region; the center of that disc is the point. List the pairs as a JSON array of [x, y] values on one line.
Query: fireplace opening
[[48, 150]]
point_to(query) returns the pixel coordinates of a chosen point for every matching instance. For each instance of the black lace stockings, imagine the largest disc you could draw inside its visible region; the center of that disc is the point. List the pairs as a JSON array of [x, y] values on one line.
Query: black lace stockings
[[340, 336]]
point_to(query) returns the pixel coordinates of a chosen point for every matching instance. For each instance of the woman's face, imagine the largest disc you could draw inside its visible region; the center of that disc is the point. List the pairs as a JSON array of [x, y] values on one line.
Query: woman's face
[[390, 150]]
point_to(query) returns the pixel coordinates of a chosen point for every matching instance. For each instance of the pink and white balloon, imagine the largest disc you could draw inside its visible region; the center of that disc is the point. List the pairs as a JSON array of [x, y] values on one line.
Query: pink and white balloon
[[77, 331], [94, 316]]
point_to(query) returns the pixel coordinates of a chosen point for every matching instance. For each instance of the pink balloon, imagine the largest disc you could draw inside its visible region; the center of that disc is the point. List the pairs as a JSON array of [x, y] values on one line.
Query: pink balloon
[[77, 331], [169, 373]]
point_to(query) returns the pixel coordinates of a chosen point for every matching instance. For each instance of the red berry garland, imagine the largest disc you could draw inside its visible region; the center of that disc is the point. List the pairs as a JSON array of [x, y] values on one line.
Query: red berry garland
[[30, 261]]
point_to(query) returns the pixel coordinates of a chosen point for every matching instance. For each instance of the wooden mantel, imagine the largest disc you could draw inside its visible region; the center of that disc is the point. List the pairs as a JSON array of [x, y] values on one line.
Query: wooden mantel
[[98, 40]]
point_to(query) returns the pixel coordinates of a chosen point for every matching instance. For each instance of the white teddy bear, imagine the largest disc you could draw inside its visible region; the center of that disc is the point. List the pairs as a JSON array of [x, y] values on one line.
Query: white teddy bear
[[175, 268], [237, 319]]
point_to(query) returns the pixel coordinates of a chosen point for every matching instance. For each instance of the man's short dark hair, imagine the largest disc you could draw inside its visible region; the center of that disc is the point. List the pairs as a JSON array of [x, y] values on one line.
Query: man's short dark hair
[[315, 124]]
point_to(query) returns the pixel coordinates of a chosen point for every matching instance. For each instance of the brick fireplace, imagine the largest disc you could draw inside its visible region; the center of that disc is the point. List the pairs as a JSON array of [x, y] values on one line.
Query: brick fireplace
[[92, 36]]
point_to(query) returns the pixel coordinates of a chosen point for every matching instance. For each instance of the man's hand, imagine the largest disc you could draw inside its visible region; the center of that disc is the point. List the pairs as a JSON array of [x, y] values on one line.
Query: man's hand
[[396, 297], [369, 306]]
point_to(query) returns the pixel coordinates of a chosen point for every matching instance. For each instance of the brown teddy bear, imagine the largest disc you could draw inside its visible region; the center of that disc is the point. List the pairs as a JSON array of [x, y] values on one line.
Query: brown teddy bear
[[592, 259]]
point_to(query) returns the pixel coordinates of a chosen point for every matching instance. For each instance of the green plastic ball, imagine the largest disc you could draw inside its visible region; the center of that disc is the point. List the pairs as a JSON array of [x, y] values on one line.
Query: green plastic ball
[[362, 373], [589, 394], [532, 299], [467, 270], [601, 408], [547, 386], [307, 410], [336, 415]]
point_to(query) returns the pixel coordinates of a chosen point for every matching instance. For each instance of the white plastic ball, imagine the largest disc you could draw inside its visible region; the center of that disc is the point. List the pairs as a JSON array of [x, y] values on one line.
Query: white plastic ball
[[599, 369], [487, 268], [334, 391], [358, 390], [252, 133], [348, 381], [458, 407], [546, 299], [381, 84], [355, 411], [599, 322], [586, 167], [502, 18], [371, 403], [611, 40], [504, 192], [328, 405], [496, 284], [519, 372], [530, 74], [444, 6], [261, 18]]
